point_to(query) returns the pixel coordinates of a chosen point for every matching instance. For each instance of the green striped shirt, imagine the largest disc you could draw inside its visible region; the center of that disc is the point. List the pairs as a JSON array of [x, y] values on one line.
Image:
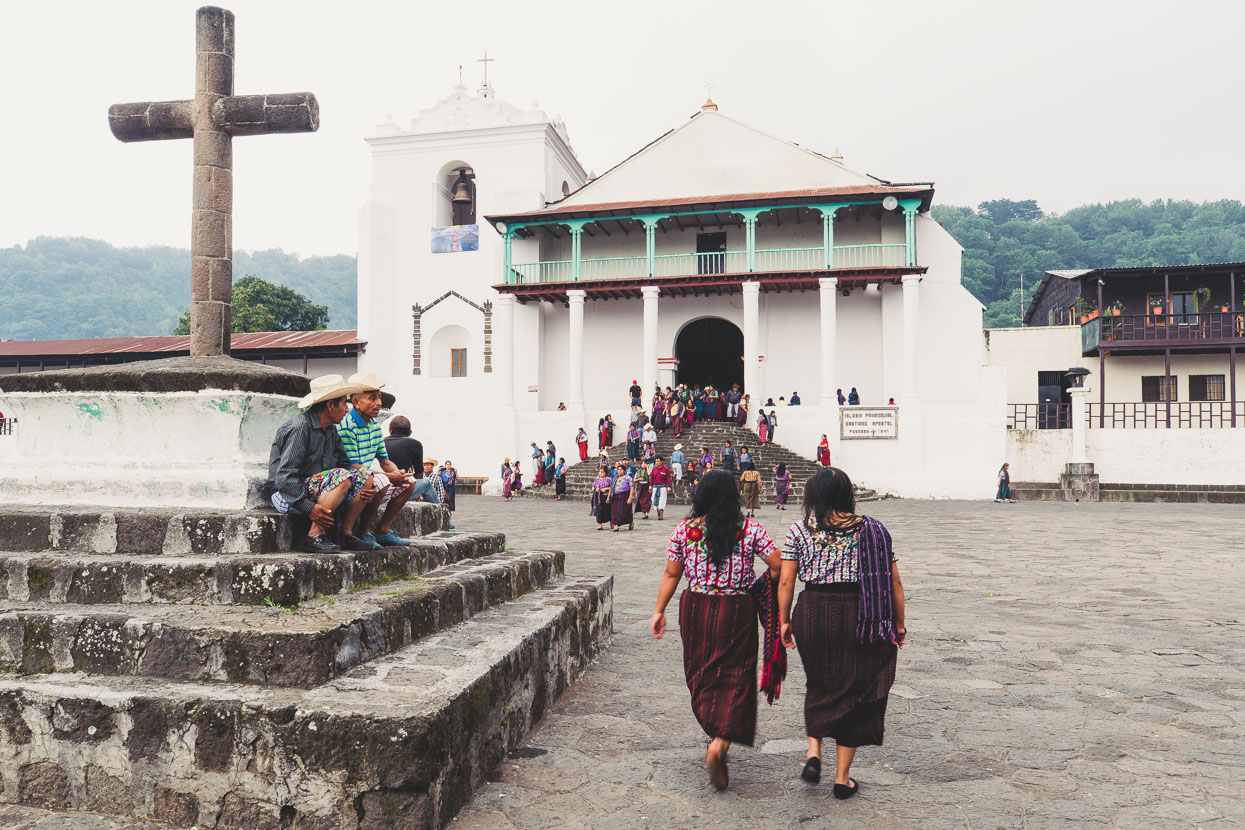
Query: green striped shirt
[[362, 438]]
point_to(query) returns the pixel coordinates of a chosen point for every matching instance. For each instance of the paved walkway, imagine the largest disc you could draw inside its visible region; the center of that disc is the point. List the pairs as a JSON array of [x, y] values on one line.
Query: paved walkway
[[1071, 666]]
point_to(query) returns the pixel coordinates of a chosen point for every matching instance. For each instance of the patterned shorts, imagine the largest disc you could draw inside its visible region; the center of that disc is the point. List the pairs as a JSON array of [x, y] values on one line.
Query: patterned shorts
[[324, 482]]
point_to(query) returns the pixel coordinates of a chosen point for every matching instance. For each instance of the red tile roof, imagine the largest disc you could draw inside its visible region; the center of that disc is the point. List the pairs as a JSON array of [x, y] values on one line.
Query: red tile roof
[[249, 341], [735, 199]]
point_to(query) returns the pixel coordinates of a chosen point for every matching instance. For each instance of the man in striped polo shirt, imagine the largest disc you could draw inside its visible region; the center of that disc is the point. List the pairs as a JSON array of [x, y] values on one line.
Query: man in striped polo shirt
[[364, 443]]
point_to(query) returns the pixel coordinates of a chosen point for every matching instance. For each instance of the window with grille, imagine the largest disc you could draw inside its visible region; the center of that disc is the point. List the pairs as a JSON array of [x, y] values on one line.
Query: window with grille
[[458, 363], [1152, 390], [1206, 387]]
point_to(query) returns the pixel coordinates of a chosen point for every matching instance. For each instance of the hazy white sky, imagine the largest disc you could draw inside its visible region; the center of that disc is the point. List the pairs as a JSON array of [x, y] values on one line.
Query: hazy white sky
[[1064, 102]]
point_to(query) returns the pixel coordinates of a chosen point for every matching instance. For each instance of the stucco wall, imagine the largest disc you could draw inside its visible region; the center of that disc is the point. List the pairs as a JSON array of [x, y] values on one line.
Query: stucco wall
[[1134, 456]]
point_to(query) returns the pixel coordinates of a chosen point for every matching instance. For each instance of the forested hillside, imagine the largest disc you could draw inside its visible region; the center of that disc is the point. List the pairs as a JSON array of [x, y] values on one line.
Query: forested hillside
[[71, 287], [56, 288], [1003, 239]]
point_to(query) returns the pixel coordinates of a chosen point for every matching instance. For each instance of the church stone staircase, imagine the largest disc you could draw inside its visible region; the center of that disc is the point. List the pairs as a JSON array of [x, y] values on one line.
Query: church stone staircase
[[711, 434], [187, 668]]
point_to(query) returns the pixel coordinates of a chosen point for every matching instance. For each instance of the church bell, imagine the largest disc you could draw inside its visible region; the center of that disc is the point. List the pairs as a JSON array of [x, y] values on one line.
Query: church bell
[[462, 189]]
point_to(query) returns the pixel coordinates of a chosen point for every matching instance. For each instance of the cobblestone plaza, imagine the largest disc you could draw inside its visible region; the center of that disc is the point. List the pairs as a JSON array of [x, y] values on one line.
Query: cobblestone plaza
[[1071, 665]]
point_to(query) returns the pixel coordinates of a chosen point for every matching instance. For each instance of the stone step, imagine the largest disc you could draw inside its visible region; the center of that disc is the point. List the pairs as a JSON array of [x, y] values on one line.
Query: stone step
[[302, 647], [285, 579], [163, 531], [401, 742]]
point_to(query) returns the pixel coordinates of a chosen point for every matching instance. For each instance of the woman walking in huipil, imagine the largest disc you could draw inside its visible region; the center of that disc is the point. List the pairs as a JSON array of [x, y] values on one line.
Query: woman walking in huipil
[[848, 623], [716, 548]]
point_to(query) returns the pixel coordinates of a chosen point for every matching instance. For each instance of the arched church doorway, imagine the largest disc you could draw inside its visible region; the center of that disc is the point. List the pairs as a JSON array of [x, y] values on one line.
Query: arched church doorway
[[710, 352]]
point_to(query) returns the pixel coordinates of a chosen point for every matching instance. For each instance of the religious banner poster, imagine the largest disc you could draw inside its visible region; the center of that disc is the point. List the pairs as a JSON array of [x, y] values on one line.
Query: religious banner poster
[[452, 239], [868, 422]]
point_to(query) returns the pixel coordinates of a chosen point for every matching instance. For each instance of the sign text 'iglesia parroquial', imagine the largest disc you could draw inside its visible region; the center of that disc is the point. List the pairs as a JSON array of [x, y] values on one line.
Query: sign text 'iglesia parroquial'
[[868, 422]]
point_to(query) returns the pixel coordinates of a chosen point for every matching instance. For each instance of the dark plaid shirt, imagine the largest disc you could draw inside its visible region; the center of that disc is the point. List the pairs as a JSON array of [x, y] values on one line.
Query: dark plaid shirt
[[301, 449]]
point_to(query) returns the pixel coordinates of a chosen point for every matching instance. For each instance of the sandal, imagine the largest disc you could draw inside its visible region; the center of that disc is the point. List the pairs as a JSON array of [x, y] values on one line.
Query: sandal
[[719, 777]]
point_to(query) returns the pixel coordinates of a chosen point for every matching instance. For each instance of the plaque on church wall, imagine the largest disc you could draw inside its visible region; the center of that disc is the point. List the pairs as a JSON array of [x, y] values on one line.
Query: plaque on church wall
[[453, 239], [868, 422]]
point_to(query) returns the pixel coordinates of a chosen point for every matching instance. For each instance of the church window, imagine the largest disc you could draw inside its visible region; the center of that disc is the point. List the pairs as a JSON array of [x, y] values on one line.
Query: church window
[[1153, 391], [1206, 387], [458, 363], [566, 189]]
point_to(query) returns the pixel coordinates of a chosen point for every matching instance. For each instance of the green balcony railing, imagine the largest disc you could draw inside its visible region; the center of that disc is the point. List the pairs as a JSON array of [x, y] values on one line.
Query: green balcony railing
[[725, 262]]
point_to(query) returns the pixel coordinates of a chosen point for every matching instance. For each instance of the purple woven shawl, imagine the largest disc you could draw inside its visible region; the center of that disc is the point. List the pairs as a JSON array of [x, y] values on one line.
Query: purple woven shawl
[[875, 622]]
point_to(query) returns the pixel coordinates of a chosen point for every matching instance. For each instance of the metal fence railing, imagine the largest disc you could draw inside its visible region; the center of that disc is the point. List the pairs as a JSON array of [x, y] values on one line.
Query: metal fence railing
[[1162, 415], [1039, 416]]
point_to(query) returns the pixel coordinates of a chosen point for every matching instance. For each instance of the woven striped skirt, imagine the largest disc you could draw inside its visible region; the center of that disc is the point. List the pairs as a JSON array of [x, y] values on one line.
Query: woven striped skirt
[[719, 633], [847, 683], [620, 513]]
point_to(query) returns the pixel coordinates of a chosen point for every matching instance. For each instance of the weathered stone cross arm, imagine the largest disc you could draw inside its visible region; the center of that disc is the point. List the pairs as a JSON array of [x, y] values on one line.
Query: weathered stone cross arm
[[292, 112]]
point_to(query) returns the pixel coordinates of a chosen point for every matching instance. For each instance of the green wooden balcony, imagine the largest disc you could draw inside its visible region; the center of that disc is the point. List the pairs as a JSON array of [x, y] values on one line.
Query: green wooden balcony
[[765, 260]]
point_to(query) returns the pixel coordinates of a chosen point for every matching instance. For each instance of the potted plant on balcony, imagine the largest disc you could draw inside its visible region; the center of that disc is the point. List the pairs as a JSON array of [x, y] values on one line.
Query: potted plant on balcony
[[1201, 298], [1115, 308], [1088, 309]]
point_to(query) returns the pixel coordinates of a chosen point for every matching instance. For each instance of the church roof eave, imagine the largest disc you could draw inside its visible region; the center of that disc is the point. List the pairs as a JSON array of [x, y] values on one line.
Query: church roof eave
[[722, 203]]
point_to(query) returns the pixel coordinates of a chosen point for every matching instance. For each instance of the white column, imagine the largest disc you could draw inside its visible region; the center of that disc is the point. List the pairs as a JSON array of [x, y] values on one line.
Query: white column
[[503, 350], [752, 341], [575, 395], [1080, 455], [648, 372], [828, 290], [911, 343]]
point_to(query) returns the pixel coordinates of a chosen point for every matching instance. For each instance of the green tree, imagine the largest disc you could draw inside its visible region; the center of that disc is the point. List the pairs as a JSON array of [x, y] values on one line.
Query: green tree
[[1005, 210], [261, 306]]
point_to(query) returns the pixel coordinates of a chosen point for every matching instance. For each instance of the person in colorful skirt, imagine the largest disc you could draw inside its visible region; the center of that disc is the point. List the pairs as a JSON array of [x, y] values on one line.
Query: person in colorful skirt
[[518, 477], [449, 477], [762, 426], [551, 467], [750, 488], [507, 480], [310, 472], [848, 624], [1004, 493], [633, 442], [823, 452], [559, 479], [602, 487], [581, 440], [782, 486], [643, 496], [621, 500], [716, 548]]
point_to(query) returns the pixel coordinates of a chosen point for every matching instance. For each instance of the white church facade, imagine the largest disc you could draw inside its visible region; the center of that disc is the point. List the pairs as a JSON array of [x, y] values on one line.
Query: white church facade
[[497, 284]]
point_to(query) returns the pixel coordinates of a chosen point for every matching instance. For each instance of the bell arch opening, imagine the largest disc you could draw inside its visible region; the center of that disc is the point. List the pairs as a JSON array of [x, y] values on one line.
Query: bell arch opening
[[710, 352]]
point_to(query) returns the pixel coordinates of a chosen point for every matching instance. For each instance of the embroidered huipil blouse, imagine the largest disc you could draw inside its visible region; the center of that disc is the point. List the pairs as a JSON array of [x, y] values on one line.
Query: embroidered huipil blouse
[[689, 545], [622, 484], [825, 556]]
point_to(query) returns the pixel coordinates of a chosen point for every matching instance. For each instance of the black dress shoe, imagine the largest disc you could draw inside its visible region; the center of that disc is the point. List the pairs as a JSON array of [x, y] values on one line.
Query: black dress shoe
[[842, 791], [812, 771], [320, 544], [352, 542]]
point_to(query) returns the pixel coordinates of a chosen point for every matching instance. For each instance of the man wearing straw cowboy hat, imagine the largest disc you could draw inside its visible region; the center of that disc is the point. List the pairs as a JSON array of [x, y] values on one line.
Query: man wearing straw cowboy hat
[[365, 443], [308, 466]]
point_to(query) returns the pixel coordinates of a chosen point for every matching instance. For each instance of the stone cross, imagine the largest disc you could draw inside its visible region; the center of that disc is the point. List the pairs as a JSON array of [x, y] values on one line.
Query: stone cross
[[212, 118]]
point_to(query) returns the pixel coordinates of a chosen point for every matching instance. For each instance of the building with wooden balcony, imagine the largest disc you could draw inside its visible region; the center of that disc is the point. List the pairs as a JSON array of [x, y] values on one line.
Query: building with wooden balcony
[[716, 254], [1165, 406]]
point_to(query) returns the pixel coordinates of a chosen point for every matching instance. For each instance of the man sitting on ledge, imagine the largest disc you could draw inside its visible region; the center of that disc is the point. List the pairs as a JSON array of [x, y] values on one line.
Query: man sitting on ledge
[[365, 443], [308, 466]]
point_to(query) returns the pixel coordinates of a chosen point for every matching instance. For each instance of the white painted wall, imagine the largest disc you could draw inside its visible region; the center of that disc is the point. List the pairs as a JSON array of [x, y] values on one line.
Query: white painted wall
[[129, 449], [1133, 456], [316, 366]]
